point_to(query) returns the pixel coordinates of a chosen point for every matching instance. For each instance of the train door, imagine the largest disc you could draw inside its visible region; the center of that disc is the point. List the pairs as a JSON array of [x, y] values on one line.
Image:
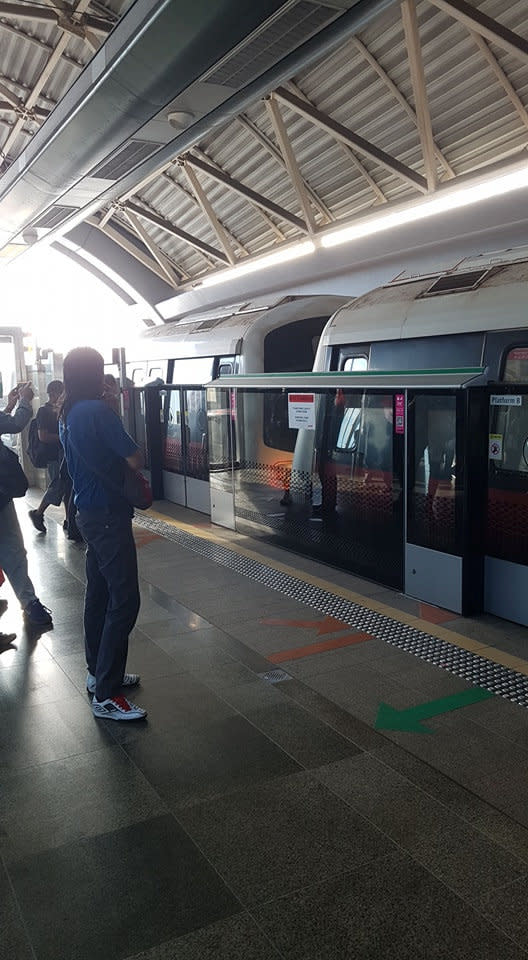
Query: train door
[[196, 452], [445, 498], [172, 463], [359, 461], [221, 420], [185, 453], [506, 512]]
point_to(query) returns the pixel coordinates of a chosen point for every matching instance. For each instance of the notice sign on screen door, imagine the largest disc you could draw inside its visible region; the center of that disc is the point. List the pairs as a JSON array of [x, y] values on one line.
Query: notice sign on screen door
[[301, 411]]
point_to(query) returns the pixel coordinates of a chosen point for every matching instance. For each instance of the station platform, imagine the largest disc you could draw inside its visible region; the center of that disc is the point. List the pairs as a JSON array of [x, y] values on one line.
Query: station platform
[[328, 769]]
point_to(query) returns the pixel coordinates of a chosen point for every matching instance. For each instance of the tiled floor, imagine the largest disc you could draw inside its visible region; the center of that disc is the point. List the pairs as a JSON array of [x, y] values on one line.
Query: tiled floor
[[246, 820]]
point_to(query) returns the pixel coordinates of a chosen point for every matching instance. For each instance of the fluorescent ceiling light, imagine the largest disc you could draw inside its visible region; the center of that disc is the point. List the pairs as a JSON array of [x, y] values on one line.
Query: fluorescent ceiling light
[[271, 260], [442, 202]]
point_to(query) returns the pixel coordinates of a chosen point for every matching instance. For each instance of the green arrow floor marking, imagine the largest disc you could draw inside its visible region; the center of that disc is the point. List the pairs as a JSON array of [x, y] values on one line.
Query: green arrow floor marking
[[389, 718]]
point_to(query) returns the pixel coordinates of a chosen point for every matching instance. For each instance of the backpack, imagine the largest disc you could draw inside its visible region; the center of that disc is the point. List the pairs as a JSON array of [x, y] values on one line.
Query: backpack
[[13, 481], [36, 450]]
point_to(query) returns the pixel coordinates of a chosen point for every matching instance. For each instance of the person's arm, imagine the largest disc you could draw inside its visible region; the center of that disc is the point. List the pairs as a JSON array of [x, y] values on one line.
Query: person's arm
[[135, 461], [12, 399], [23, 412]]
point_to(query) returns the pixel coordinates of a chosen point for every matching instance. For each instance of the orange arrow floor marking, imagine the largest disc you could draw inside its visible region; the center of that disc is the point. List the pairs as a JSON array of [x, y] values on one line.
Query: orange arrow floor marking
[[328, 625], [333, 644]]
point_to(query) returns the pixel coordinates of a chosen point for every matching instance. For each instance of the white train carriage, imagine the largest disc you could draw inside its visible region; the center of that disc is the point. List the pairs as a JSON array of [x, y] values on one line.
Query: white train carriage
[[264, 335]]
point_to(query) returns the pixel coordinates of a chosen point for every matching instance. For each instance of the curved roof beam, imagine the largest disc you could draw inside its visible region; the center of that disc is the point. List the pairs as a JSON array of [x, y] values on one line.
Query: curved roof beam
[[339, 132], [290, 162], [207, 208], [416, 69], [182, 235], [152, 247], [398, 95], [348, 152], [486, 26], [268, 145], [501, 76], [247, 192], [62, 18]]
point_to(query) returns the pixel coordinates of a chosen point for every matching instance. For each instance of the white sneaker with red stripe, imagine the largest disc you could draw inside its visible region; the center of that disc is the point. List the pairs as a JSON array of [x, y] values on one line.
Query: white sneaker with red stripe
[[129, 680], [117, 708]]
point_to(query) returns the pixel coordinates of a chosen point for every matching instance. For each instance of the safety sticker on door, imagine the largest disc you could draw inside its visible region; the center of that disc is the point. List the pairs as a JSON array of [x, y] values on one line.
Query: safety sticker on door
[[495, 446], [505, 400], [399, 413], [301, 411]]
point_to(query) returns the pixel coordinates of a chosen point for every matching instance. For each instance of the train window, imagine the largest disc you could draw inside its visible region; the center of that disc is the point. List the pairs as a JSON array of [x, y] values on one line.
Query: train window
[[292, 347], [349, 431], [516, 366], [225, 369], [359, 431], [509, 428], [195, 370], [355, 364], [277, 432]]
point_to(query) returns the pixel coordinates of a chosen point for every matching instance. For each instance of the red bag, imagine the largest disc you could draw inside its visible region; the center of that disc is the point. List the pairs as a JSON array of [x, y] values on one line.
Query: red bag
[[137, 489]]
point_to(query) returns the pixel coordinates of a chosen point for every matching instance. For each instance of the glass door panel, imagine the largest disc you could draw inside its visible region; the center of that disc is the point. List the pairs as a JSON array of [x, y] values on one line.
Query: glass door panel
[[506, 536], [196, 449], [137, 421], [434, 499], [436, 515], [333, 492], [172, 454], [220, 413]]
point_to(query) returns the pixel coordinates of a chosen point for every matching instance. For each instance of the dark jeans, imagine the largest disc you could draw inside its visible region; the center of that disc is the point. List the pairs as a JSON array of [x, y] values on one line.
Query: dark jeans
[[71, 509], [112, 599]]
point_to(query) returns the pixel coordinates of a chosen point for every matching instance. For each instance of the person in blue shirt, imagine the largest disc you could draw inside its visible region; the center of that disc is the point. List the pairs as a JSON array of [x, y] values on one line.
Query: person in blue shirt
[[97, 448]]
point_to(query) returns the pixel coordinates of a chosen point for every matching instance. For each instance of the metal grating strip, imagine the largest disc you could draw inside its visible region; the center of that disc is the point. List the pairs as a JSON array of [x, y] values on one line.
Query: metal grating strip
[[462, 663]]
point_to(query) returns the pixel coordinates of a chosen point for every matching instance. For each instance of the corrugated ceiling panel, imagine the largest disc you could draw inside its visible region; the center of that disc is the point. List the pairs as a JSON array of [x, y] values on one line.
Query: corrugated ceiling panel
[[24, 56], [473, 120]]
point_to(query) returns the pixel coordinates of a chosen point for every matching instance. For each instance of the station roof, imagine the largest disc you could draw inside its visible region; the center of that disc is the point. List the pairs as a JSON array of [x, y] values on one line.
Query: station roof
[[427, 94]]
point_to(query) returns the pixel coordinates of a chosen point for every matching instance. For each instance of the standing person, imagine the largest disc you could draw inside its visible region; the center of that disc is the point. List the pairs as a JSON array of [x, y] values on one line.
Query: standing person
[[48, 434], [13, 557], [97, 448]]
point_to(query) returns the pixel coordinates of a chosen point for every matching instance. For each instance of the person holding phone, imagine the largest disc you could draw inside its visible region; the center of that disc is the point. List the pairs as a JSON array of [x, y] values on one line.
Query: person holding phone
[[13, 557]]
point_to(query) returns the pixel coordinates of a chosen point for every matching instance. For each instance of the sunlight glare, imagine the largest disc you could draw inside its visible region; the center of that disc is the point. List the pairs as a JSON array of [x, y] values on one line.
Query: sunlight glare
[[63, 305]]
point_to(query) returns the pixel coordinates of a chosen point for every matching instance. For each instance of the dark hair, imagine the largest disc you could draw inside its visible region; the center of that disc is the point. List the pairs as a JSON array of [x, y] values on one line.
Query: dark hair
[[55, 386], [83, 371]]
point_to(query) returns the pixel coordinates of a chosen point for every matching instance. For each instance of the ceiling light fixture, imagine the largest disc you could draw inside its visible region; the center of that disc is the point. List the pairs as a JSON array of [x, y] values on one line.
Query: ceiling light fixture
[[260, 263], [444, 201], [180, 119]]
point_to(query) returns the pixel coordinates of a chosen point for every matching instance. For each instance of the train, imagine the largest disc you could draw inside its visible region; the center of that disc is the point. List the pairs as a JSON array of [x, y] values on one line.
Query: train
[[262, 335], [415, 470]]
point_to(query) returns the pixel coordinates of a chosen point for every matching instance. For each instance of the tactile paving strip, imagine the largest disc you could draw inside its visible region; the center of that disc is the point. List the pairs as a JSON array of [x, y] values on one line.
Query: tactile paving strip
[[463, 663]]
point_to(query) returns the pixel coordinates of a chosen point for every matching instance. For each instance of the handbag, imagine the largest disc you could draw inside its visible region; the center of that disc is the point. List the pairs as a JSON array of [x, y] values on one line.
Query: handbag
[[13, 480], [137, 489]]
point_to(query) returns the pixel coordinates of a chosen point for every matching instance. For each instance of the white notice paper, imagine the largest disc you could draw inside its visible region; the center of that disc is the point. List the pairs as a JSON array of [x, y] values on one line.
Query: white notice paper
[[301, 411]]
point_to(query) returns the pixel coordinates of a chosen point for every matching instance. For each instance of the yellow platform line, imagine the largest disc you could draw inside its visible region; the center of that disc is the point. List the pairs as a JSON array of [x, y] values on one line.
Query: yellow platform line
[[435, 630]]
